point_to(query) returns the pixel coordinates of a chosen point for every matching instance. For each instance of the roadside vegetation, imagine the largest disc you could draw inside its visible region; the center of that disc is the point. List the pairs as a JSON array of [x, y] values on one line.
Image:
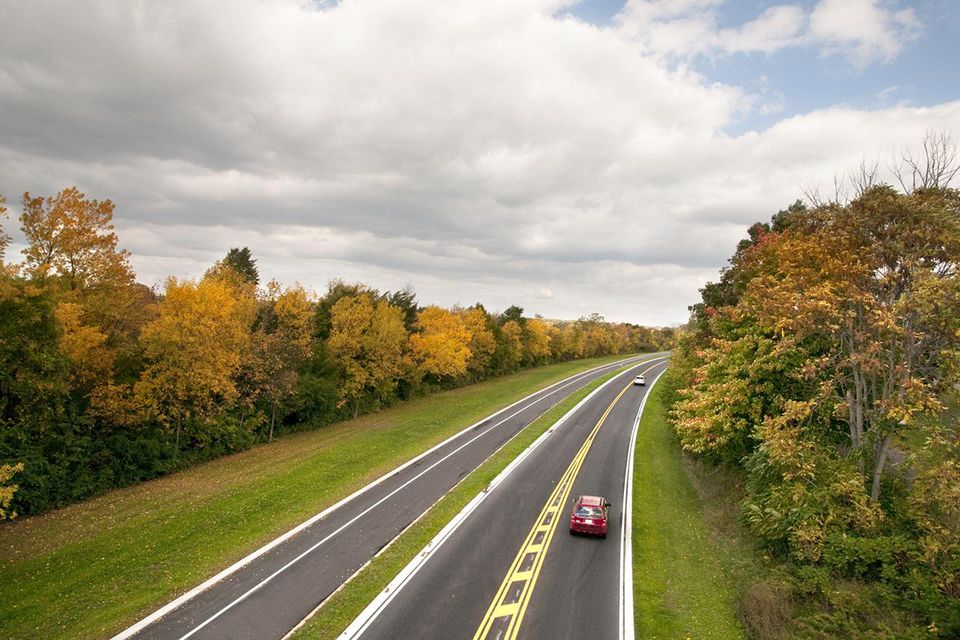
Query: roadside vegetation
[[821, 373], [105, 382], [93, 568], [689, 562]]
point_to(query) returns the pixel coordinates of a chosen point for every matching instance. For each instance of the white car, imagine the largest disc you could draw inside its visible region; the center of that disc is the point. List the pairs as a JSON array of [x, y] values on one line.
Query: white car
[[639, 381]]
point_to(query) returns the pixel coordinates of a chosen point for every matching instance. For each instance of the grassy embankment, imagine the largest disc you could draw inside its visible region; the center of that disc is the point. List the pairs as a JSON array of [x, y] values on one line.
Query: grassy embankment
[[690, 563], [90, 569]]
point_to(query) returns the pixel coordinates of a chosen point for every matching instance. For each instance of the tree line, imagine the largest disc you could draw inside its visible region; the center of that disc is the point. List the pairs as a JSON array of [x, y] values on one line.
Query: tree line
[[105, 382], [823, 368]]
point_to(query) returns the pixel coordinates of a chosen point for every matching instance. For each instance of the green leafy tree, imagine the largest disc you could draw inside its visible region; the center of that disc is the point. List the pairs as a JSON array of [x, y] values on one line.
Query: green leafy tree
[[241, 260]]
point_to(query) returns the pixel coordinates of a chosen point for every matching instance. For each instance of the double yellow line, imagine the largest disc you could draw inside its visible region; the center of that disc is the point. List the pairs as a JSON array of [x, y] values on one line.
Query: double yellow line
[[503, 618]]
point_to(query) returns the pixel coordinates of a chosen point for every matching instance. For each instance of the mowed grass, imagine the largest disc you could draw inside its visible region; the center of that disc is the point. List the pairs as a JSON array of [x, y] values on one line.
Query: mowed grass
[[347, 603], [89, 570], [687, 572]]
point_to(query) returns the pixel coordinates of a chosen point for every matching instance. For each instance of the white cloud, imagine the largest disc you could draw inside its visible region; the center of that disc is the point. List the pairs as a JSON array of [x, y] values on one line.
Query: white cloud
[[493, 152], [862, 31]]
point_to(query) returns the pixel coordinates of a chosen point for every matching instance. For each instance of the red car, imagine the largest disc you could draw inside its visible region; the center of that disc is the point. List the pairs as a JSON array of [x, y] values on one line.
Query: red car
[[589, 516]]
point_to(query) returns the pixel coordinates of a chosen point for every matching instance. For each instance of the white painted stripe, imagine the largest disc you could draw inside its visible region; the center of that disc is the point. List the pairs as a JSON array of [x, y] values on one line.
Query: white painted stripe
[[362, 622], [626, 531], [159, 613]]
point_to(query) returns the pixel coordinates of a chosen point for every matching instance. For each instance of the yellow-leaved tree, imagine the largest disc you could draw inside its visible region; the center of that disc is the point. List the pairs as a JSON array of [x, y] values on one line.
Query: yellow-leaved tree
[[7, 471], [84, 347], [368, 341], [483, 343], [441, 348], [511, 343], [283, 341], [193, 349], [536, 342]]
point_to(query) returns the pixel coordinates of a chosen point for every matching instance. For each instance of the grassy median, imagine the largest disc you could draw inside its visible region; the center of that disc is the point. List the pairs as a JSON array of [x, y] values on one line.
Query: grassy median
[[689, 567], [91, 569]]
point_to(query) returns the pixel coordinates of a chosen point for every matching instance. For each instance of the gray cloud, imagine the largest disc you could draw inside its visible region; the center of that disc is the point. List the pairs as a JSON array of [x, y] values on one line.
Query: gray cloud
[[492, 152]]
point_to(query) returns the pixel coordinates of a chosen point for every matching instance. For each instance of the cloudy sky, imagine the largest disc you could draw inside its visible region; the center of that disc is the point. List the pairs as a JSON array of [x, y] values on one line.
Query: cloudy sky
[[568, 157]]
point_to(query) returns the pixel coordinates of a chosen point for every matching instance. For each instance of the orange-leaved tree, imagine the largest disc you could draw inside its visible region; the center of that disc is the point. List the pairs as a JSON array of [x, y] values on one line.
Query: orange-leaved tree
[[71, 237]]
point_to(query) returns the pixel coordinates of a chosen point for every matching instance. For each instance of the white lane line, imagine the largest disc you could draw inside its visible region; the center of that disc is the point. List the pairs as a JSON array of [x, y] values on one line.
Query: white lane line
[[344, 526], [362, 622], [189, 595], [626, 531]]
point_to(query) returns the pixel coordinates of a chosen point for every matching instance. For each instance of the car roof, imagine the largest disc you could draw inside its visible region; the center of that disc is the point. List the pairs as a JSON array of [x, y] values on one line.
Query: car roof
[[594, 501]]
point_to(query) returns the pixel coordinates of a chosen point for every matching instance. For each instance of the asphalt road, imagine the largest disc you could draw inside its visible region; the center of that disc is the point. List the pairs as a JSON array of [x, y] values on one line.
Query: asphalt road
[[268, 596], [505, 572]]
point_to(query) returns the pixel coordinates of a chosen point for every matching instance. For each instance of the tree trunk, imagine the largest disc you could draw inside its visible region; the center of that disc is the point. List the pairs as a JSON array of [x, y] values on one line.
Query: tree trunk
[[273, 418], [878, 466], [179, 422]]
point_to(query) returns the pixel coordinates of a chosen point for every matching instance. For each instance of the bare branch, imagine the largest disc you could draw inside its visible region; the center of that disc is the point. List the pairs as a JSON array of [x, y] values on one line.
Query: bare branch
[[864, 177], [934, 167]]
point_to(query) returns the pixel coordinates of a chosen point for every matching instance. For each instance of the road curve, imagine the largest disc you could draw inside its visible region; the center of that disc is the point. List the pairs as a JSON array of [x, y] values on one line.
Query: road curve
[[505, 572], [267, 594]]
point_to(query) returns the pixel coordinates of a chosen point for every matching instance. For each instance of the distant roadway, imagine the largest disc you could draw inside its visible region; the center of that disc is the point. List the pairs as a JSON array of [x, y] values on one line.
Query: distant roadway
[[511, 569], [268, 593]]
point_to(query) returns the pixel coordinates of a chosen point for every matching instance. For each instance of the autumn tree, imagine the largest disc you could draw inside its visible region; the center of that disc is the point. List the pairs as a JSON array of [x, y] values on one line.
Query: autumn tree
[[193, 349], [369, 343], [84, 346], [282, 343], [536, 342], [441, 347], [879, 277], [336, 289], [71, 237], [7, 472], [483, 342], [509, 346]]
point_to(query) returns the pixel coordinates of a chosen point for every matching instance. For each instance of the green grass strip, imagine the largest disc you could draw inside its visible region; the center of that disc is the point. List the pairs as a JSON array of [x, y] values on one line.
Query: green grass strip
[[92, 569], [685, 583], [345, 605]]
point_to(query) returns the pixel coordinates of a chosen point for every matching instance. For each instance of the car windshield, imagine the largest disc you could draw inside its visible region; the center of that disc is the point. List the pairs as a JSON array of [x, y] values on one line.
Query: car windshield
[[584, 511]]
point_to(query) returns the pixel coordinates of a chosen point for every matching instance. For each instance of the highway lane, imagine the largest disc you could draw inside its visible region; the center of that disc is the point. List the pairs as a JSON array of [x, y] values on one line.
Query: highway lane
[[272, 592], [494, 579]]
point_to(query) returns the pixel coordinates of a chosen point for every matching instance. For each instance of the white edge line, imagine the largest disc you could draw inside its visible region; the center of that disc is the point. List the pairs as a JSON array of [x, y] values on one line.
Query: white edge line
[[363, 621], [189, 595], [626, 531]]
